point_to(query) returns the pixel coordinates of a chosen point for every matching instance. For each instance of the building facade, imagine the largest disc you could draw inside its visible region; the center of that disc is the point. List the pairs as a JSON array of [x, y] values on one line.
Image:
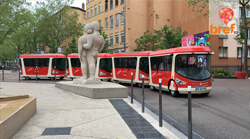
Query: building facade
[[140, 16], [195, 31]]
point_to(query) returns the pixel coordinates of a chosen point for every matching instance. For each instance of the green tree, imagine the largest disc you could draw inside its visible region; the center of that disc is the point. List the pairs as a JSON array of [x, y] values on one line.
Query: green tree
[[72, 46], [170, 37], [242, 37], [147, 42], [167, 37], [57, 22], [12, 15], [107, 44], [53, 47]]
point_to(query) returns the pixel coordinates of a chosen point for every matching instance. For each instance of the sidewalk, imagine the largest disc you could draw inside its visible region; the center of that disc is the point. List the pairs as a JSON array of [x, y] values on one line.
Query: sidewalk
[[81, 117]]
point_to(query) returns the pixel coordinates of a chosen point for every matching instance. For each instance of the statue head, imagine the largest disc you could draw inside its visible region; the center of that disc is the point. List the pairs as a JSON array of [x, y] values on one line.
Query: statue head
[[95, 25], [89, 28]]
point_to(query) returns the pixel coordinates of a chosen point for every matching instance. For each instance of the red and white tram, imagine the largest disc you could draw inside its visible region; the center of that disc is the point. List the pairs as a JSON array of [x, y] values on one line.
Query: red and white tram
[[45, 64], [181, 67], [74, 66], [125, 64]]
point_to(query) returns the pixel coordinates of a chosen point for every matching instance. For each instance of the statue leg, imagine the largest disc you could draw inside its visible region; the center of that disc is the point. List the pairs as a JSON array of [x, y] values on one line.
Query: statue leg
[[91, 65], [84, 68]]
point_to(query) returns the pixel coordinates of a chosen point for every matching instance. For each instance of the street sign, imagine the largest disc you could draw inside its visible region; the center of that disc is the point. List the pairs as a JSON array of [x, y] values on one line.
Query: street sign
[[59, 50], [42, 52], [18, 57]]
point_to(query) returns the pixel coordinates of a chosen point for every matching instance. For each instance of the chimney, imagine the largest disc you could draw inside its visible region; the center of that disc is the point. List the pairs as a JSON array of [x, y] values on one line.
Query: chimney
[[83, 6]]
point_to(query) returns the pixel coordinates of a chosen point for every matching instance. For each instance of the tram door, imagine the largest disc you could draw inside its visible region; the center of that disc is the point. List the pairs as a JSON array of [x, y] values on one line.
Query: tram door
[[160, 69], [143, 69], [76, 66]]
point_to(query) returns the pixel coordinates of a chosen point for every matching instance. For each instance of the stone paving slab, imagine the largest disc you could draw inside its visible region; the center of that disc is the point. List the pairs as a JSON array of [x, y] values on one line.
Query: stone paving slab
[[88, 118]]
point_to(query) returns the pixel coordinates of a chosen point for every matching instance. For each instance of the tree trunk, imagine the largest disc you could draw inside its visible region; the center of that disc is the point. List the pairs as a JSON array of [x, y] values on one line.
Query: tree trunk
[[245, 38]]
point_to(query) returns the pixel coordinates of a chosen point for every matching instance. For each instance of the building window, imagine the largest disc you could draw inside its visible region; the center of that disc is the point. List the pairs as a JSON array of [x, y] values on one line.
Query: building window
[[116, 20], [111, 39], [239, 51], [99, 23], [107, 39], [122, 37], [222, 51], [106, 5], [91, 11], [88, 13], [122, 18], [88, 1], [116, 3], [95, 9], [106, 23], [111, 22], [241, 12], [111, 4], [100, 7], [122, 1], [116, 38]]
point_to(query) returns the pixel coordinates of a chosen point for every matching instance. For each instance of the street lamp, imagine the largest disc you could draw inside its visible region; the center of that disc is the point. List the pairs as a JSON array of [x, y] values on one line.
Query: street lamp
[[124, 16]]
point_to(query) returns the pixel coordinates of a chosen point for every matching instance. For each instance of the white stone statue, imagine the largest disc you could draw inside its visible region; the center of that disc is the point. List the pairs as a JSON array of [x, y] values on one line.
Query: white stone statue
[[89, 46]]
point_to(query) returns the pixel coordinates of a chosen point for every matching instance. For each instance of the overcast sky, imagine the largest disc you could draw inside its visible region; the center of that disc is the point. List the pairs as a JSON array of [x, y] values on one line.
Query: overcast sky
[[77, 3]]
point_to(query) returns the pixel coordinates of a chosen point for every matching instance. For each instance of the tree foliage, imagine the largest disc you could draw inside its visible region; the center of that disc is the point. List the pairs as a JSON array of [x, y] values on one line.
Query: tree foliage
[[72, 46], [107, 44], [167, 37]]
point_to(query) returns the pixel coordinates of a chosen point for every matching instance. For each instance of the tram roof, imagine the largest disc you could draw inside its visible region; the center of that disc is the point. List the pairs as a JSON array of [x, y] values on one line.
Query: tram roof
[[144, 53], [186, 49], [99, 55], [41, 55]]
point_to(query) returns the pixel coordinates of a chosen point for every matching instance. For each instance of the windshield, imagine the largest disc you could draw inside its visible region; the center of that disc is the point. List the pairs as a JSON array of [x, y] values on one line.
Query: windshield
[[193, 66], [60, 63]]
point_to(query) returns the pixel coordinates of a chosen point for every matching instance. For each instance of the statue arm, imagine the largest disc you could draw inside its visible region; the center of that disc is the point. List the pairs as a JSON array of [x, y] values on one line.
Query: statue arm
[[80, 47], [89, 42]]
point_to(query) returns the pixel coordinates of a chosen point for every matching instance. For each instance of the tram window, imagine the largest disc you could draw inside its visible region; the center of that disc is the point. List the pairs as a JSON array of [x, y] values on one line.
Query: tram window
[[60, 63], [154, 65], [144, 64], [75, 62], [124, 63], [29, 62], [132, 63], [118, 63], [43, 62], [106, 64], [161, 64]]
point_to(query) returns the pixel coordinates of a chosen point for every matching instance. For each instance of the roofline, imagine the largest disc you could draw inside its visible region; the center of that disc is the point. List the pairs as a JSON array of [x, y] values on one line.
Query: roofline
[[78, 8]]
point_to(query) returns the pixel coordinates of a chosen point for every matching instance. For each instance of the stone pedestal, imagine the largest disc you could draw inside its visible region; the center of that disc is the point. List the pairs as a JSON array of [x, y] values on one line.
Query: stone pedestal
[[105, 90]]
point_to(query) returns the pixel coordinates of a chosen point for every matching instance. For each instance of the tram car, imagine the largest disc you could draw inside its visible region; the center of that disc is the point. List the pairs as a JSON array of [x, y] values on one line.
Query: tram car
[[43, 65]]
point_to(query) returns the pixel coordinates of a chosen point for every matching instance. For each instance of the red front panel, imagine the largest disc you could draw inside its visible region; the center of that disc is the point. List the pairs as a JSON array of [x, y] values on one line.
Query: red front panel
[[146, 75], [42, 70], [119, 73], [194, 83], [30, 70], [76, 71], [103, 73], [58, 72]]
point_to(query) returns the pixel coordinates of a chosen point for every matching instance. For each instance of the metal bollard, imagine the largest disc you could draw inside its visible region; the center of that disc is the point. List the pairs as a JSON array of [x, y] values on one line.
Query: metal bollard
[[3, 72], [189, 113], [143, 97], [55, 72], [19, 73], [160, 103], [36, 74], [131, 87]]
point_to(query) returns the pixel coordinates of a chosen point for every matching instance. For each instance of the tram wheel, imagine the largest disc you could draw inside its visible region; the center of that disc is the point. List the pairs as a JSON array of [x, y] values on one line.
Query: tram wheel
[[152, 88], [117, 82], [109, 80], [174, 93], [139, 85], [61, 78], [101, 79]]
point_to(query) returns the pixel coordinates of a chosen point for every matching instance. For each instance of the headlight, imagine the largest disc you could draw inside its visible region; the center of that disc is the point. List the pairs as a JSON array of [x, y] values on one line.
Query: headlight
[[54, 71], [67, 72], [178, 81]]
